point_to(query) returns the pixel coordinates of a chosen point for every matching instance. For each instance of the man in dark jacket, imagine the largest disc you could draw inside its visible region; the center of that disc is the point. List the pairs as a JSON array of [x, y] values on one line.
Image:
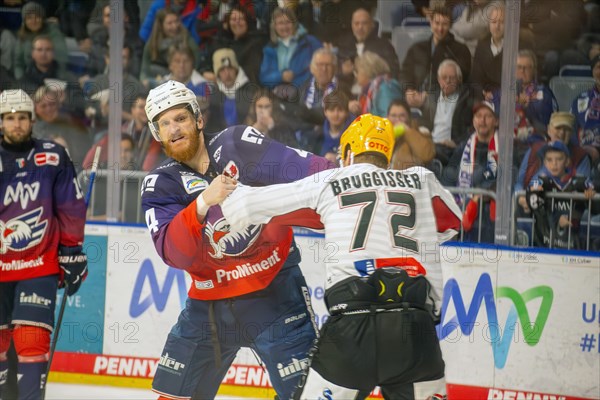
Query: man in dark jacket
[[424, 58], [364, 38]]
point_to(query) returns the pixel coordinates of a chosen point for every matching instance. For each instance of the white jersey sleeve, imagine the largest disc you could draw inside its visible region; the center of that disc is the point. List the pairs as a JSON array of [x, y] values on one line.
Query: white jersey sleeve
[[258, 205]]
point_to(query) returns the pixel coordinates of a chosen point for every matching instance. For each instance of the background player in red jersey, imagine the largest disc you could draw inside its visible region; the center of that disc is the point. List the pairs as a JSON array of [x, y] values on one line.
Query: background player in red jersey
[[42, 220], [383, 284], [247, 288]]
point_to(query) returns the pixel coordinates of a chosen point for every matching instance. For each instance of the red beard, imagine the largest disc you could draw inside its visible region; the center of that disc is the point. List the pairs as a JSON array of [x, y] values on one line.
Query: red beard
[[187, 153]]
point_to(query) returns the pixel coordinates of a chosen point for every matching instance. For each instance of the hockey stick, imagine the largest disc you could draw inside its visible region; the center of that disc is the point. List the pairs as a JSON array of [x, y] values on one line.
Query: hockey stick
[[88, 195], [63, 302]]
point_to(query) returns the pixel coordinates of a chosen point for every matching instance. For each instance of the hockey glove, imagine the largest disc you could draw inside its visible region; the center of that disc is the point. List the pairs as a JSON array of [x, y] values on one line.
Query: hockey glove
[[73, 262]]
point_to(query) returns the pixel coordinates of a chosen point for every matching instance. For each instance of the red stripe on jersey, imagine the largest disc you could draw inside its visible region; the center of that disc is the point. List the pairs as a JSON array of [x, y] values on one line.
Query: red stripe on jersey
[[411, 265], [444, 217], [306, 217]]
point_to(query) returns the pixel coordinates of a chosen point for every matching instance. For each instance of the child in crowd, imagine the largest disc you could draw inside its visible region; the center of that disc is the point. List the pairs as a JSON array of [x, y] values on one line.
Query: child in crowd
[[337, 119], [557, 220]]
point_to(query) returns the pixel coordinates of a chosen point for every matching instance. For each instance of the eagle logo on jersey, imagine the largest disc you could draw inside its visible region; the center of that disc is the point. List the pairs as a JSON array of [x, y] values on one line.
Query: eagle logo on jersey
[[223, 241], [22, 232]]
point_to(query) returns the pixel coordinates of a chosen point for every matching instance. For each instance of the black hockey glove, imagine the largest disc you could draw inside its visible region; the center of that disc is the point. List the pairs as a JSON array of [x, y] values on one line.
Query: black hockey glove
[[73, 262]]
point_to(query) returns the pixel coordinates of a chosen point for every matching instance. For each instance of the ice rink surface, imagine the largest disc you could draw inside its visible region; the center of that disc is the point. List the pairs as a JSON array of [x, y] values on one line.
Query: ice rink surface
[[65, 391]]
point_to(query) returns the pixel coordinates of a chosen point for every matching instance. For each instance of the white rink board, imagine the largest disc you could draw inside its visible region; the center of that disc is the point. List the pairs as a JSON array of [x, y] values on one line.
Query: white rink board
[[555, 365], [496, 353]]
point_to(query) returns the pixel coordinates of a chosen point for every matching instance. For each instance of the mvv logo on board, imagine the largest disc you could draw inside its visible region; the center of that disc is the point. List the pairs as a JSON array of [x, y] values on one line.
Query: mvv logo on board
[[499, 335], [159, 295]]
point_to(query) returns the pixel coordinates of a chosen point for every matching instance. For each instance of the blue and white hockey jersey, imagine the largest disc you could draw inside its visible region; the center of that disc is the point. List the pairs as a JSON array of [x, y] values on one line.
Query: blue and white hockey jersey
[[224, 263], [41, 207]]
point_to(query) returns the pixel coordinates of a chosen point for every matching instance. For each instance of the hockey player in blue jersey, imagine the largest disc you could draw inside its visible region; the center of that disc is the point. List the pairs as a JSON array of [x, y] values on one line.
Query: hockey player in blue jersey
[[42, 219], [247, 289]]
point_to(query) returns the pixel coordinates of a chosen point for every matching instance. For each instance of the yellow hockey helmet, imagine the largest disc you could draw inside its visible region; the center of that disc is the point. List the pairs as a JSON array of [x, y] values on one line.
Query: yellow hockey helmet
[[368, 133]]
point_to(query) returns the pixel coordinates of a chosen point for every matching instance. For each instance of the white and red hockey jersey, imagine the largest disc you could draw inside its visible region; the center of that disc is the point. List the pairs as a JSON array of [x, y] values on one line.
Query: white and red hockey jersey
[[374, 217]]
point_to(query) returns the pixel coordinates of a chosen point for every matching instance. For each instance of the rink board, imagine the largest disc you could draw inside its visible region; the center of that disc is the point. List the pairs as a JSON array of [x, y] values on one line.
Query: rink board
[[516, 324]]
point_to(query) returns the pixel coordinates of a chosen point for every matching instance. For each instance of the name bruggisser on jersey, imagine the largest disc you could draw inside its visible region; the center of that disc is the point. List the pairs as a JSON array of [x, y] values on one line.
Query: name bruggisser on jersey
[[376, 178]]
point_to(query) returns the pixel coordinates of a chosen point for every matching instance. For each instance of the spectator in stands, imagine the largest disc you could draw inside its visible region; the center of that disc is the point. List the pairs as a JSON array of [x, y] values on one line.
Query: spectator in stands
[[560, 128], [146, 154], [181, 69], [335, 18], [42, 65], [130, 86], [35, 24], [413, 146], [473, 165], [449, 114], [378, 87], [472, 25], [303, 10], [240, 34], [232, 94], [266, 116], [487, 61], [286, 59], [337, 119], [535, 102], [364, 38], [424, 58], [100, 36], [557, 221], [586, 108], [167, 31], [50, 121], [186, 11], [307, 107], [44, 70]]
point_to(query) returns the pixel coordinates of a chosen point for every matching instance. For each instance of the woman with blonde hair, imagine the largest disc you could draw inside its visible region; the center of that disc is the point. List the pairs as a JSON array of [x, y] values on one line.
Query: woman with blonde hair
[[286, 59], [167, 31], [378, 88]]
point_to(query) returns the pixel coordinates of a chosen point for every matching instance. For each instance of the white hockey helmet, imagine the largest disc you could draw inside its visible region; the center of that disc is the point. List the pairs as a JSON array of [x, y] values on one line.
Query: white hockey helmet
[[16, 100], [166, 96]]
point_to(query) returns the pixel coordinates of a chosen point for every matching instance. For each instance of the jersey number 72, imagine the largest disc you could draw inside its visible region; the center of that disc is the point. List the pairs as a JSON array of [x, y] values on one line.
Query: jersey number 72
[[368, 200]]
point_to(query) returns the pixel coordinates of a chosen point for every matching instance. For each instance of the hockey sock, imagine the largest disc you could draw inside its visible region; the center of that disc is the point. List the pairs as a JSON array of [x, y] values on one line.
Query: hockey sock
[[3, 372], [31, 376], [4, 344], [32, 344]]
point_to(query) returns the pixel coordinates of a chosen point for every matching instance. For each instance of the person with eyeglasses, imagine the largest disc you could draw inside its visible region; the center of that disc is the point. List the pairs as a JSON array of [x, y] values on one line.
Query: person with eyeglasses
[[534, 101]]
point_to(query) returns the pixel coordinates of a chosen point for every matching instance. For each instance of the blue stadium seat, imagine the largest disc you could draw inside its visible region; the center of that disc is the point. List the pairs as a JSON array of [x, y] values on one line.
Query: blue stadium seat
[[10, 18], [77, 62], [575, 70]]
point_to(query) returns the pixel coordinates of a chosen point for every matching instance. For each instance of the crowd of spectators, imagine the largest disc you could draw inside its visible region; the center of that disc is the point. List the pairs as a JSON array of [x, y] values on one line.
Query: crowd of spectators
[[300, 71]]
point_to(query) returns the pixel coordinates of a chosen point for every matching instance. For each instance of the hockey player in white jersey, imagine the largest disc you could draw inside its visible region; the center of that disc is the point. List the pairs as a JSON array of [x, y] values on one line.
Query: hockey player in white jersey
[[382, 285]]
